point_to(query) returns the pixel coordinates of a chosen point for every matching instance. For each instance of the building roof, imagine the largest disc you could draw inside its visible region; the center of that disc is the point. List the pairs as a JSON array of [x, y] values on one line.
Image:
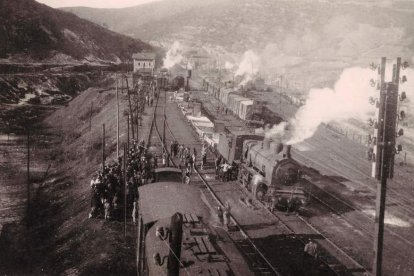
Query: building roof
[[164, 199], [144, 56]]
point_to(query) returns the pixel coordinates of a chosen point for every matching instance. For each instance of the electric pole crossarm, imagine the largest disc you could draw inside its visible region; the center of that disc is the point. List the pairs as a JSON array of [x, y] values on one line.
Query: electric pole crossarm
[[384, 152]]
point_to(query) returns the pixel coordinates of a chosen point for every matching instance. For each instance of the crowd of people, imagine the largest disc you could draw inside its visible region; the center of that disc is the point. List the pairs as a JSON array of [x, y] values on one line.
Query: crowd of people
[[108, 184], [109, 188]]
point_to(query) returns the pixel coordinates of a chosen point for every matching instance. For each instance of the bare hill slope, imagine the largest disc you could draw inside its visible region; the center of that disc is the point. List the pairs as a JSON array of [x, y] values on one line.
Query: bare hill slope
[[35, 32]]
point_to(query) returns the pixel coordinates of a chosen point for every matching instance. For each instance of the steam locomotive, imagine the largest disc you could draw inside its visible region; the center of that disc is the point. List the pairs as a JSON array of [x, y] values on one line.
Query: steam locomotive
[[265, 168]]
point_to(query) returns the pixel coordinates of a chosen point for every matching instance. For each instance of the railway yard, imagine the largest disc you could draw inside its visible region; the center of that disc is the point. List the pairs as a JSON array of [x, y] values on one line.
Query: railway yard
[[337, 212], [261, 239], [207, 138]]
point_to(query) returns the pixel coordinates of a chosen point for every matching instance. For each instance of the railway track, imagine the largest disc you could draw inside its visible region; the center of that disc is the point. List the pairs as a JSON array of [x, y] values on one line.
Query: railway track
[[317, 196], [260, 264], [407, 207], [327, 200], [336, 267]]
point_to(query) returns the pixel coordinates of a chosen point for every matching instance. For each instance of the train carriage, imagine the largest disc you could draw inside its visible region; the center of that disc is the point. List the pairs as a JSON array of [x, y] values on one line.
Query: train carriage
[[174, 232], [246, 108], [234, 103], [230, 145], [224, 95]]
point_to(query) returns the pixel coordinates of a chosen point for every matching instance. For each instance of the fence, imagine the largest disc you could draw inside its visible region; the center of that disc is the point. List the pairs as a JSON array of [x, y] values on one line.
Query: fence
[[400, 159], [349, 133]]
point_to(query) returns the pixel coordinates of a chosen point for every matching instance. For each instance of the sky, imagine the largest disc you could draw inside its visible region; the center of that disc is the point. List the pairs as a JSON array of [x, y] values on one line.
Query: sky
[[94, 3]]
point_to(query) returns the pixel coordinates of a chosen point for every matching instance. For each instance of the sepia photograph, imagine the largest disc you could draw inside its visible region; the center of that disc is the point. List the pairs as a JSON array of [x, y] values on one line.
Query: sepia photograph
[[207, 137]]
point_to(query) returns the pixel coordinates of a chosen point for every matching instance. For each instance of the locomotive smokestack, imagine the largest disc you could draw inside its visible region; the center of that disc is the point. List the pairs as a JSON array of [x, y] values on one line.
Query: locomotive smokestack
[[286, 151], [279, 147], [276, 147]]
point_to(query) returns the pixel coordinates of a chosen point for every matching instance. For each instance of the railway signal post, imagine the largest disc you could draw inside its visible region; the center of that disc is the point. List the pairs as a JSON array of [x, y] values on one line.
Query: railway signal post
[[384, 149]]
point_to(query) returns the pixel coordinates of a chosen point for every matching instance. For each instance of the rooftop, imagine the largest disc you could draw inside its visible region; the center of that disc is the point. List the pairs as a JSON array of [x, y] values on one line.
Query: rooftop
[[181, 198], [144, 56]]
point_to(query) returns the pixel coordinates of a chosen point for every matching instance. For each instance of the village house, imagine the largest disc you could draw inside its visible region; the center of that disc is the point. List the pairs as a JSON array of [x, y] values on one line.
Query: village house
[[144, 62]]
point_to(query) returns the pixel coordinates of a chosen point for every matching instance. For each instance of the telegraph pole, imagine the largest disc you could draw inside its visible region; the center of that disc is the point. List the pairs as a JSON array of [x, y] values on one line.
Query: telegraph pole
[[384, 143], [28, 174], [128, 131], [165, 119], [103, 147], [125, 189], [117, 119], [130, 108]]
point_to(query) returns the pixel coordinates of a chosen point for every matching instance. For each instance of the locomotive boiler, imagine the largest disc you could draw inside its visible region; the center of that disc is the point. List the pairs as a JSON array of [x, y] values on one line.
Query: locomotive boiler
[[272, 176]]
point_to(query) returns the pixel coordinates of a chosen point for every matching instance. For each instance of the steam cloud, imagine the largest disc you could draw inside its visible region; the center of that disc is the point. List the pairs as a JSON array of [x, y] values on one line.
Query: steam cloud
[[173, 56], [348, 99], [228, 65], [248, 67]]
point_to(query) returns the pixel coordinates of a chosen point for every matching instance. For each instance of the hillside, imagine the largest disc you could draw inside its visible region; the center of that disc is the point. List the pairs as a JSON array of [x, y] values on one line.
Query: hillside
[[125, 20], [33, 32], [310, 41]]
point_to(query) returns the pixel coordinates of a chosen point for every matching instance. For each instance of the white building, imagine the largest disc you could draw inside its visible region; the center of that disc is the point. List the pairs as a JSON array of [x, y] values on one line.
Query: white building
[[144, 62]]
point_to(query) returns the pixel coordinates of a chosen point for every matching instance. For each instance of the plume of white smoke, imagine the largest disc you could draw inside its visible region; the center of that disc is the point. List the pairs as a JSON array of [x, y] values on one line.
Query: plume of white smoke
[[228, 65], [348, 99], [173, 56], [248, 67], [277, 132]]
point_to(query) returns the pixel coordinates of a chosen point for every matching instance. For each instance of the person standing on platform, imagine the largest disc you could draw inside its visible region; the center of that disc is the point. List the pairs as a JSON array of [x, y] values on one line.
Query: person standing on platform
[[220, 215], [203, 160], [310, 255], [172, 148], [227, 215], [194, 158], [164, 159], [187, 176], [217, 162]]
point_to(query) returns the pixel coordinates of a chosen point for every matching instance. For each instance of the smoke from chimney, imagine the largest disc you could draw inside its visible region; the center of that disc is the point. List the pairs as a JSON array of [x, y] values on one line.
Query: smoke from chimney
[[248, 67], [173, 56], [228, 65]]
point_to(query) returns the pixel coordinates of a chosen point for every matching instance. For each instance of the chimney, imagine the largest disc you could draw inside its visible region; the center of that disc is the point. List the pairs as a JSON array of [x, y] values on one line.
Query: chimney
[[276, 147], [286, 151]]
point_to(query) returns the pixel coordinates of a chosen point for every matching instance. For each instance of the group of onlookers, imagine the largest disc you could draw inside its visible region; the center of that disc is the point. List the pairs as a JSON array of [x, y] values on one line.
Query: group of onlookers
[[112, 185]]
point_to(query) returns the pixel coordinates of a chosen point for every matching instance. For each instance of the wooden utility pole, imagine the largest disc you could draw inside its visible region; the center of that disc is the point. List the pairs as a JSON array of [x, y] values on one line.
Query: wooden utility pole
[[128, 131], [117, 119], [384, 152], [103, 146], [138, 109], [165, 120], [130, 108], [28, 213], [28, 174], [125, 191]]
